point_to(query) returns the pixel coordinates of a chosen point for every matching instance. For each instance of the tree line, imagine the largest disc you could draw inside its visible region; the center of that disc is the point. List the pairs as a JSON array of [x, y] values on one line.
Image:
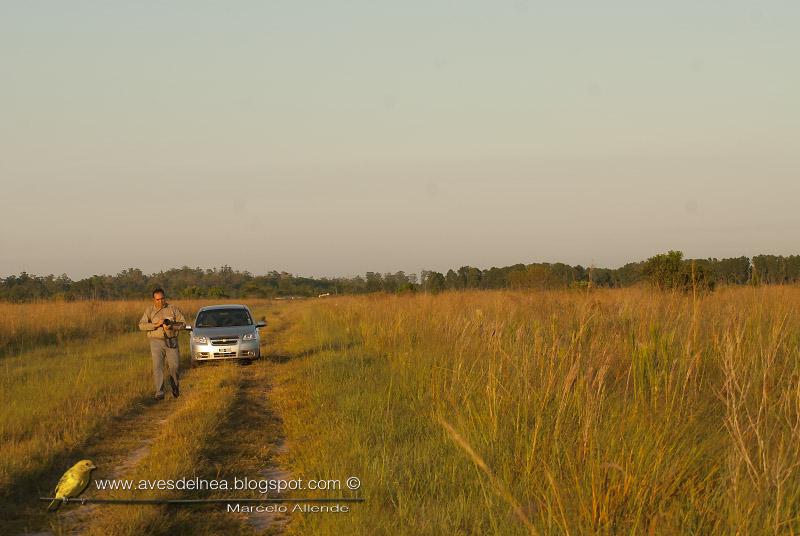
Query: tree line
[[665, 271]]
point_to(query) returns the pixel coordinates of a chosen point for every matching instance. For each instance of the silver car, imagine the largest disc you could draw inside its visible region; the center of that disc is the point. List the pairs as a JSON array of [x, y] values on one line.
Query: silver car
[[224, 332]]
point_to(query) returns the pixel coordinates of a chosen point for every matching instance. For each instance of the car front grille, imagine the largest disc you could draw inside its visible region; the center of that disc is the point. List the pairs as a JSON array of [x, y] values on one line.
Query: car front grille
[[224, 341], [224, 354]]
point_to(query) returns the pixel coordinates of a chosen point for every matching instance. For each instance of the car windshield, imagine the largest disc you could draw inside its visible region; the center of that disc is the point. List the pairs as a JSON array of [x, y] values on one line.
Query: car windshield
[[223, 318]]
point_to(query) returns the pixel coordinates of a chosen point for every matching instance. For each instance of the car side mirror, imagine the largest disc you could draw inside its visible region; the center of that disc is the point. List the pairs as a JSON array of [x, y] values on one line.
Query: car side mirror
[[261, 324], [187, 327]]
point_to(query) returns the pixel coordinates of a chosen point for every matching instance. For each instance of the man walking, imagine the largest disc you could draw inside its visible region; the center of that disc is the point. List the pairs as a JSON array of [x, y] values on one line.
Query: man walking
[[163, 322]]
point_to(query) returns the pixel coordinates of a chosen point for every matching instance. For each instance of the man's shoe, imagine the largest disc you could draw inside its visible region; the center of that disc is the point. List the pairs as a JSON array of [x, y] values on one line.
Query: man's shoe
[[176, 392], [160, 396]]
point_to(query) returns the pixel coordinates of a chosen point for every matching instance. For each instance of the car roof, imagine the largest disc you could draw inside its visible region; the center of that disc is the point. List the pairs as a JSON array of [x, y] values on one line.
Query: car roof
[[216, 307]]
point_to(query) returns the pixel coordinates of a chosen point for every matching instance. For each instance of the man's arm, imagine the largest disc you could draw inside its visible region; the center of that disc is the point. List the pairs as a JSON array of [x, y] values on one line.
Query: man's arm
[[145, 324], [180, 320]]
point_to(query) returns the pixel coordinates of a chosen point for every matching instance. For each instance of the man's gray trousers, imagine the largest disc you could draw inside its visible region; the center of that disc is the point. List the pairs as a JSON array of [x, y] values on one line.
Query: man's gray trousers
[[159, 351]]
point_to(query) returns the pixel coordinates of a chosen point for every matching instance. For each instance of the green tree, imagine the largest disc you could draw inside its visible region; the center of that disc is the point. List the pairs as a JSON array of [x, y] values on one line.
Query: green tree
[[664, 270], [452, 281], [433, 282], [669, 271]]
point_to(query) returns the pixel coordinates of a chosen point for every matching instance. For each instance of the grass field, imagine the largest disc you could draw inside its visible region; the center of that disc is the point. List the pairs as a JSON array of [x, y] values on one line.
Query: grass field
[[553, 412]]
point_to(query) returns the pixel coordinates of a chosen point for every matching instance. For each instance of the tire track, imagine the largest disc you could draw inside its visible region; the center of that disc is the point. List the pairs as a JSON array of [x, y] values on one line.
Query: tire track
[[249, 444], [116, 450]]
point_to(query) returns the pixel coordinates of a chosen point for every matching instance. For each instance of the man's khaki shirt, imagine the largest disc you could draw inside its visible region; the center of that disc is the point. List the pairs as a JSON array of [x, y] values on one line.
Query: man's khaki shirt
[[152, 315]]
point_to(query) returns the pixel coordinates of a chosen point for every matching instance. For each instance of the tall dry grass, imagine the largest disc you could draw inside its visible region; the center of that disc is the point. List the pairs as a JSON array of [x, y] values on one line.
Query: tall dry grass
[[619, 411], [26, 326], [30, 325]]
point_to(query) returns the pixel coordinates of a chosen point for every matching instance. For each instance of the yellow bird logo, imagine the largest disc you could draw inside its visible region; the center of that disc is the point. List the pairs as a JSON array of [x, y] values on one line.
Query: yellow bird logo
[[72, 483]]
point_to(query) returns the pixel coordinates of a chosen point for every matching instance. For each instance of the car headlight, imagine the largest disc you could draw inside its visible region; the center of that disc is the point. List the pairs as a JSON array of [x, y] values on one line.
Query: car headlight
[[249, 337], [200, 339]]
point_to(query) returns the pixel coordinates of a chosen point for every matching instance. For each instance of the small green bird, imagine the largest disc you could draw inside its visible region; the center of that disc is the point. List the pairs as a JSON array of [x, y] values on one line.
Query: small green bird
[[72, 483]]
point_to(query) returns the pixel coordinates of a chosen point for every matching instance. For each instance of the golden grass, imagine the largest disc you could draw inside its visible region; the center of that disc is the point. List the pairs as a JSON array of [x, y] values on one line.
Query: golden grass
[[29, 325], [557, 412], [616, 411]]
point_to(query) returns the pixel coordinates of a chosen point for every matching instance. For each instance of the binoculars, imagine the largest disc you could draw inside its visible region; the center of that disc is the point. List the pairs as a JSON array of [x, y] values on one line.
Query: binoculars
[[167, 322]]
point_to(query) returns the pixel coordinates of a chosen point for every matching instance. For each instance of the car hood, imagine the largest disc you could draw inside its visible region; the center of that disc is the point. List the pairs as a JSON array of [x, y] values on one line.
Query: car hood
[[232, 331]]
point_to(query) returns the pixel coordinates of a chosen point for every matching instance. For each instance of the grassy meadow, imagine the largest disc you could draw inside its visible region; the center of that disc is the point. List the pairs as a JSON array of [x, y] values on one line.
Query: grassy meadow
[[34, 325], [551, 412], [613, 411]]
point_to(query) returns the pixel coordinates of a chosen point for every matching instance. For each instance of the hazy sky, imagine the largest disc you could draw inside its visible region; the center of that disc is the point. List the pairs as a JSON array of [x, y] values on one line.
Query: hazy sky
[[333, 138]]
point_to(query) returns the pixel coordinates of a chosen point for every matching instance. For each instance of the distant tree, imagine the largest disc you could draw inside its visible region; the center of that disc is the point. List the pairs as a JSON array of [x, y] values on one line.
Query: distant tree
[[735, 271], [603, 277], [395, 282], [406, 288], [664, 270], [434, 282], [669, 271], [469, 277], [374, 281], [217, 292], [630, 274], [776, 269], [533, 276], [494, 278], [771, 269], [793, 268], [451, 280], [191, 292]]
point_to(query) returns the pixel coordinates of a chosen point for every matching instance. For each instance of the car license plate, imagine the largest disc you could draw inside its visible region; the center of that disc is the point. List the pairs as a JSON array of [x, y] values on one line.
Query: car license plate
[[224, 350]]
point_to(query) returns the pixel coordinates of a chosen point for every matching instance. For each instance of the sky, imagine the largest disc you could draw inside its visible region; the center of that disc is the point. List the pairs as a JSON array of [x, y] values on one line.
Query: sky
[[335, 138]]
